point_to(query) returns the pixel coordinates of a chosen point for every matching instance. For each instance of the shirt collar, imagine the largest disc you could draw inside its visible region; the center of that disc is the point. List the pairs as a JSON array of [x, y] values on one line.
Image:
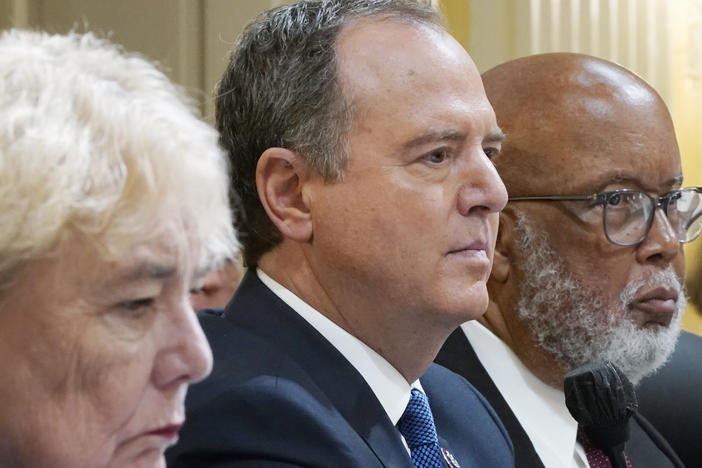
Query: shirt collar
[[539, 408], [389, 386]]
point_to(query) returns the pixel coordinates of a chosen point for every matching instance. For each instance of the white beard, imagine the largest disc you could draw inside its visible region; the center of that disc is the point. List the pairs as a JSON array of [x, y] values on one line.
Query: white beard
[[573, 325]]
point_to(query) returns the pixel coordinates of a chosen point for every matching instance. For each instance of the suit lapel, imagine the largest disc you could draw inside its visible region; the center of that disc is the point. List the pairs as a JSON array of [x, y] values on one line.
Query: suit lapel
[[647, 447], [458, 355], [446, 451], [260, 311]]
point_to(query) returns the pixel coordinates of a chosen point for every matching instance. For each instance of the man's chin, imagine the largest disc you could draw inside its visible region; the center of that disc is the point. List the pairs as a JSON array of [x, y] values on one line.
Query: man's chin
[[640, 351], [657, 318]]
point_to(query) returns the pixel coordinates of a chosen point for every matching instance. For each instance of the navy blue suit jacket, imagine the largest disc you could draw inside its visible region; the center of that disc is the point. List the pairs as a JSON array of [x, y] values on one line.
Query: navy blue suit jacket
[[281, 395]]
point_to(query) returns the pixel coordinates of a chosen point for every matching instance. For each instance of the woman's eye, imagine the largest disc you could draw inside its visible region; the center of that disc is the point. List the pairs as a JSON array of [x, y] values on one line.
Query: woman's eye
[[137, 304], [437, 157]]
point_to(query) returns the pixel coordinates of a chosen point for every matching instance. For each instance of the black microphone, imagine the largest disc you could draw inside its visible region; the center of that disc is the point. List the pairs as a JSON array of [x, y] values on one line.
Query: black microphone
[[601, 399]]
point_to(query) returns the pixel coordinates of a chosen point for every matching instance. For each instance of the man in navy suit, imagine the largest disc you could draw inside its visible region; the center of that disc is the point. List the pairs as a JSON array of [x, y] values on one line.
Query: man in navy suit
[[360, 140], [589, 261]]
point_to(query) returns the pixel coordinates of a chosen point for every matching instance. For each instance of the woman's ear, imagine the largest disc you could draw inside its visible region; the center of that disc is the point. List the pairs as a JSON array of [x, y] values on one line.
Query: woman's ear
[[504, 246], [280, 175]]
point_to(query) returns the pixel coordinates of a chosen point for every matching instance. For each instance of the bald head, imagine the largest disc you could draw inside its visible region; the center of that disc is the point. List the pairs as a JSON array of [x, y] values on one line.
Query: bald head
[[561, 293], [565, 112]]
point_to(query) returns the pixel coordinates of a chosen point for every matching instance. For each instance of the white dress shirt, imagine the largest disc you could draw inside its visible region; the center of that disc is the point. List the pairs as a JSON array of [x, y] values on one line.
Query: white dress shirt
[[388, 385], [539, 408]]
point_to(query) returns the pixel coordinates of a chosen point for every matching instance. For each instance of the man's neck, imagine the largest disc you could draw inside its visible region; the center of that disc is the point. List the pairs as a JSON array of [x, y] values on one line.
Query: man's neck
[[408, 346], [523, 345]]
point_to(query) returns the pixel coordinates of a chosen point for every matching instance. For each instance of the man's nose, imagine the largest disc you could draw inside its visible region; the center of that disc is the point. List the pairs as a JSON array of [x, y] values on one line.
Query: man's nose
[[482, 187], [661, 244]]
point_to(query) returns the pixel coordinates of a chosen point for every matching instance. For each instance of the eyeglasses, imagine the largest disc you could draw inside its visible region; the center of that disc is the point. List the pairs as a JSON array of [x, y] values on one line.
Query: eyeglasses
[[627, 215]]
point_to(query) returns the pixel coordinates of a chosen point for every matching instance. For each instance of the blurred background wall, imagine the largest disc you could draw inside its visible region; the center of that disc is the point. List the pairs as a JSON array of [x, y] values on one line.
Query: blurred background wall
[[189, 38], [661, 40]]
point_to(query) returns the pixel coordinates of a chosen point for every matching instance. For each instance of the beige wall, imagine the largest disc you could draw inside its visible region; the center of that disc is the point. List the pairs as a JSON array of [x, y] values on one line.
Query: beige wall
[[189, 38], [638, 34], [224, 20]]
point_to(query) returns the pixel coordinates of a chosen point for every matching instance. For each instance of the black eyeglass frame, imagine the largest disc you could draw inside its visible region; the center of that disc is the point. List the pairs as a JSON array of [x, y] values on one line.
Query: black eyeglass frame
[[661, 201]]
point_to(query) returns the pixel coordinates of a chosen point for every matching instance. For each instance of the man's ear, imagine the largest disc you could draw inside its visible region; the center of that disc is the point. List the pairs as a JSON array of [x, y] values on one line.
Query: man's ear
[[504, 246], [280, 175]]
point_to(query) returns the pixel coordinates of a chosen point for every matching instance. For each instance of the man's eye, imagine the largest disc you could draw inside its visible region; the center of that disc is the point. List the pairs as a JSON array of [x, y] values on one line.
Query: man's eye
[[614, 200]]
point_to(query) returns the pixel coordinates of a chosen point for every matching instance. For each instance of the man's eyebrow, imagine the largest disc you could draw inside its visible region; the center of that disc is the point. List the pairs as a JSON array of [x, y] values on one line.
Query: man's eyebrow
[[496, 135], [617, 177], [433, 135]]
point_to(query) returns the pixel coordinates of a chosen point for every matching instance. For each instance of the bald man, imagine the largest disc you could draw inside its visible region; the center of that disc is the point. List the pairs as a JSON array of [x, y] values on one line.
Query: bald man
[[586, 267]]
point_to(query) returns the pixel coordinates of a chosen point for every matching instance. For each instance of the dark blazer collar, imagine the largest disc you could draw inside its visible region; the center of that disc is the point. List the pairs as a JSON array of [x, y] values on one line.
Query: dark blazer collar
[[458, 355], [256, 308]]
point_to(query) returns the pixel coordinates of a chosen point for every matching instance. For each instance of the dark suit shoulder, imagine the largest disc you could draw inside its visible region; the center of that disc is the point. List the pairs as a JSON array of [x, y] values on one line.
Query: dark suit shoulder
[[260, 408], [670, 399], [466, 420], [646, 448], [281, 394]]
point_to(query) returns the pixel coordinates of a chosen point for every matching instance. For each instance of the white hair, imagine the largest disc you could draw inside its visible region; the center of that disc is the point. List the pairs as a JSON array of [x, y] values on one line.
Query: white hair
[[575, 325], [97, 141]]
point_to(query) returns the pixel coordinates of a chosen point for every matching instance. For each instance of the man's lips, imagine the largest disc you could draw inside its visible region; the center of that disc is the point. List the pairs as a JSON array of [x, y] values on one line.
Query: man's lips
[[476, 248], [658, 304]]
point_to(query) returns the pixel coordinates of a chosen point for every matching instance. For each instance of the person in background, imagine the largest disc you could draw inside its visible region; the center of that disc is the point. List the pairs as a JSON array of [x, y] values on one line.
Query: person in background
[[113, 205], [217, 286], [360, 141], [588, 263]]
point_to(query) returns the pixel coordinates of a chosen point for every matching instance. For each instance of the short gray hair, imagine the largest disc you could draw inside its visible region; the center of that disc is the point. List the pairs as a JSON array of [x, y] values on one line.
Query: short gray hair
[[97, 141], [281, 89]]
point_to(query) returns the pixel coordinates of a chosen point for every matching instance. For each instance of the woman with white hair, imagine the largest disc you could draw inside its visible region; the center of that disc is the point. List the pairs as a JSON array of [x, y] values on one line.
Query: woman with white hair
[[113, 206]]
